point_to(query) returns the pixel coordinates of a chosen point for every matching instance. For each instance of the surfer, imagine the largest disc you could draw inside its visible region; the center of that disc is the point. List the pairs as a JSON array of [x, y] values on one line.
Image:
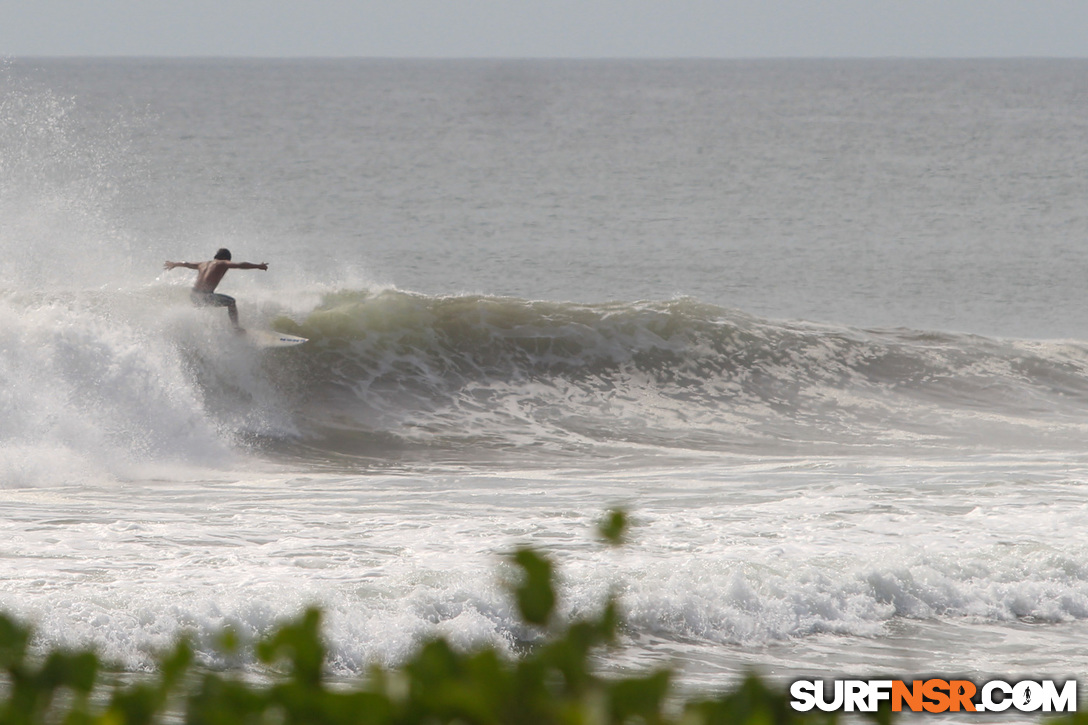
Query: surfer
[[208, 276]]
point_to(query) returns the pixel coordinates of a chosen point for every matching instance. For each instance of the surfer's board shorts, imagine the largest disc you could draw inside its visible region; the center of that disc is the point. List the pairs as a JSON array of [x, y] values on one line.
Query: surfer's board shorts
[[210, 299]]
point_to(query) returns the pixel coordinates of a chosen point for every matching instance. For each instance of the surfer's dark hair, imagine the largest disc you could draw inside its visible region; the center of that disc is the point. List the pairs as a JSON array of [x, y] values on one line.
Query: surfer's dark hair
[[223, 253]]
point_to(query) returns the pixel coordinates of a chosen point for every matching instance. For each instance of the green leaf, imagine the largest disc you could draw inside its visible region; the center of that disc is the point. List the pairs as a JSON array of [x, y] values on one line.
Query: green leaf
[[613, 527], [13, 643], [536, 593], [300, 643]]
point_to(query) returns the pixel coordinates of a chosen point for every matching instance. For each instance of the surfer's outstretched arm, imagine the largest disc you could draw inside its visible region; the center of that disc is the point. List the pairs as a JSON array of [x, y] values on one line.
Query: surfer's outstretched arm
[[247, 265], [187, 265]]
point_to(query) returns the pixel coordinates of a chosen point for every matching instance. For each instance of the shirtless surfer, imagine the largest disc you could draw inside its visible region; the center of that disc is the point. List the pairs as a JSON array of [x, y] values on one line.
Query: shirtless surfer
[[208, 276]]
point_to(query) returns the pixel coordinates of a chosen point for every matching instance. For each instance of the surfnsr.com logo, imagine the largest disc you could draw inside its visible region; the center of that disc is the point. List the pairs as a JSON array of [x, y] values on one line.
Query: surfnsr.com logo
[[934, 695]]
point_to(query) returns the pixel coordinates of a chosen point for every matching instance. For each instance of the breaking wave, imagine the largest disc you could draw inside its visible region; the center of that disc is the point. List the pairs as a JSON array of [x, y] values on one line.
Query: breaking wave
[[147, 378], [678, 374]]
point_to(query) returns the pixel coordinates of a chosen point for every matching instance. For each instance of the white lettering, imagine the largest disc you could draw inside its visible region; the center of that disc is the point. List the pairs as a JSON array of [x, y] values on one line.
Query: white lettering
[[1027, 696], [804, 697], [879, 690], [993, 696], [821, 701], [988, 702], [856, 695], [1065, 701]]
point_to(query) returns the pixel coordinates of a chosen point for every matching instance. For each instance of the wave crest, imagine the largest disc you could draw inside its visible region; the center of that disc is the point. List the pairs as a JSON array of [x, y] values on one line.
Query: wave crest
[[680, 374]]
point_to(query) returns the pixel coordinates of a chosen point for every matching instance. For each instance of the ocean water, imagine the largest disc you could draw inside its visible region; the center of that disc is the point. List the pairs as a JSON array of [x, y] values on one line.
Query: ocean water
[[818, 326]]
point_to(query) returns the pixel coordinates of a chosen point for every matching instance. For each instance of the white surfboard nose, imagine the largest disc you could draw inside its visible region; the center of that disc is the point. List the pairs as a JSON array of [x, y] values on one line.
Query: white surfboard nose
[[267, 338]]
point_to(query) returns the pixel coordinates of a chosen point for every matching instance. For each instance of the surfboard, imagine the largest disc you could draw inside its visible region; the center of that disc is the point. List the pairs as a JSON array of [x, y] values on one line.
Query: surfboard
[[268, 338]]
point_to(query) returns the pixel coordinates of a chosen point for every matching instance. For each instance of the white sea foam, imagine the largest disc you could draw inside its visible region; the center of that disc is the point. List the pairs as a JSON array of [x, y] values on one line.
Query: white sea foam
[[94, 391]]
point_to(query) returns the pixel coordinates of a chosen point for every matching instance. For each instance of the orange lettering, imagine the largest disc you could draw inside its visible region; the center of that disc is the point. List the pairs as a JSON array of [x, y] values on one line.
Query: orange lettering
[[961, 692], [935, 690], [913, 696]]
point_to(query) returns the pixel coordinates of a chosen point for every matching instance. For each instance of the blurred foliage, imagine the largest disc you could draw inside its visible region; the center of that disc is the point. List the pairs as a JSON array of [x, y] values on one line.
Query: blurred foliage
[[552, 683]]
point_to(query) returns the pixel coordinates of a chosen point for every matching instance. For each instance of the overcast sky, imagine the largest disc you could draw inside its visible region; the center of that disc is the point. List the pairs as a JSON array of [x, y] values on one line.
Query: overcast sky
[[546, 28]]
